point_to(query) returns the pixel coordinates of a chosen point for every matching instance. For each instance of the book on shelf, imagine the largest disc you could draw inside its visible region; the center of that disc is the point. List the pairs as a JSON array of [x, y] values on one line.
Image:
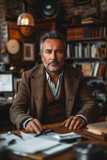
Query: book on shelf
[[80, 49], [93, 50], [86, 32], [68, 50], [99, 128], [89, 49], [96, 67], [86, 49], [105, 31], [88, 20], [86, 69], [103, 51], [76, 51], [74, 33], [91, 69], [101, 69]]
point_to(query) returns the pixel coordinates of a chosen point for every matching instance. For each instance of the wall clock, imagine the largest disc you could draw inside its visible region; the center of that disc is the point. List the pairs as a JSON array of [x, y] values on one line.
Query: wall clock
[[26, 30], [13, 46]]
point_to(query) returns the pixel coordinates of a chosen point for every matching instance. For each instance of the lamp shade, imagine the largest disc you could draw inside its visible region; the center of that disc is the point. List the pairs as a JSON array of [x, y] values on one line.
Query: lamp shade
[[25, 19]]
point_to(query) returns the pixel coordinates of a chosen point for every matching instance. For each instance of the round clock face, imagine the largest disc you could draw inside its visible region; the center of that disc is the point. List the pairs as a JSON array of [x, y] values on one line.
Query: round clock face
[[13, 46], [26, 30]]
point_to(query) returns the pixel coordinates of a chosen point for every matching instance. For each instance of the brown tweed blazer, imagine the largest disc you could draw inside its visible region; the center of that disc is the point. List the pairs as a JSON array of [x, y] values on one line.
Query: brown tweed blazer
[[29, 101]]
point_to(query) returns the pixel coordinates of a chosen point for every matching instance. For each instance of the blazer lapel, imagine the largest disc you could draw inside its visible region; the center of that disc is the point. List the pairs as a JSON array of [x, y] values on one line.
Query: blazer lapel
[[38, 87], [71, 85]]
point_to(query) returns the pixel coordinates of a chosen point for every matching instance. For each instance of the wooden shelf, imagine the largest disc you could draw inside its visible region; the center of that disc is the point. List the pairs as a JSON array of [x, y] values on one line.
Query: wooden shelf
[[19, 67], [87, 39], [100, 23], [73, 59]]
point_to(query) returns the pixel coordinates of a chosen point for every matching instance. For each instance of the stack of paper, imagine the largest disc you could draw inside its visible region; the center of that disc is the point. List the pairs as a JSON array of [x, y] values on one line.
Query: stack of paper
[[33, 145], [28, 142]]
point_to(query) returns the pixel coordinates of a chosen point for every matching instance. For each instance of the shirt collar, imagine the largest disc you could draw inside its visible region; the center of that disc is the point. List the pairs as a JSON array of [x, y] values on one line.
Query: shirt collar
[[48, 76]]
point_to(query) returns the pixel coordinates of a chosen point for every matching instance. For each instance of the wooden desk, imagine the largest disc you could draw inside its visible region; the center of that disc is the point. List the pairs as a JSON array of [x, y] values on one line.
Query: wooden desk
[[65, 155]]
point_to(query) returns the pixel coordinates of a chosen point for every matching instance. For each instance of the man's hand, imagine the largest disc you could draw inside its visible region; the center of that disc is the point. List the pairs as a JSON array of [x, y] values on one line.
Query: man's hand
[[74, 122], [34, 126]]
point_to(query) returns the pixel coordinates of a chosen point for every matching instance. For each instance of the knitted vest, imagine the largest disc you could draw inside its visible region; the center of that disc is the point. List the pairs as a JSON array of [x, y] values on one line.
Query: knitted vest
[[54, 109]]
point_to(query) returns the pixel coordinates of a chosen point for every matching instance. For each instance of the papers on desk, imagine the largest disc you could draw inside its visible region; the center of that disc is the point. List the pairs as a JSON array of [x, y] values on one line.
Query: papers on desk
[[48, 144], [33, 145], [67, 136], [26, 136], [6, 138], [59, 148]]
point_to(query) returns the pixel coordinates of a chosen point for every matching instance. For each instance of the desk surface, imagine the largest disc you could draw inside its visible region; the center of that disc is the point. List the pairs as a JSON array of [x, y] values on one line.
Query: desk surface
[[65, 155], [4, 103]]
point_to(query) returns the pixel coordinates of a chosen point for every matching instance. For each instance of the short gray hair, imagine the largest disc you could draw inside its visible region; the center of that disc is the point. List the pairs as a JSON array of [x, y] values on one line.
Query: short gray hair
[[51, 35]]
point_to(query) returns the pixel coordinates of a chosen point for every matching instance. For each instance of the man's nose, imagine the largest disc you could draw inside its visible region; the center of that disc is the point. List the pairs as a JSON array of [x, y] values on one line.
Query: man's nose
[[53, 55]]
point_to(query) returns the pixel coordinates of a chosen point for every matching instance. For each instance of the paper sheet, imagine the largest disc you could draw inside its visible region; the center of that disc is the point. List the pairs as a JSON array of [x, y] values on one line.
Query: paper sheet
[[66, 136], [7, 137], [33, 145], [61, 147], [26, 136]]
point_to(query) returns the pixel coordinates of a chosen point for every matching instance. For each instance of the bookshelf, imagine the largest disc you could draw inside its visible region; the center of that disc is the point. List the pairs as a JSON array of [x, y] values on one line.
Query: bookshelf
[[93, 67], [93, 31], [87, 51]]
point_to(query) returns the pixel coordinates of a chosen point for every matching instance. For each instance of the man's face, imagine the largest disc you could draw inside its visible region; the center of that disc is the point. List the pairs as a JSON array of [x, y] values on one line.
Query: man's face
[[53, 54]]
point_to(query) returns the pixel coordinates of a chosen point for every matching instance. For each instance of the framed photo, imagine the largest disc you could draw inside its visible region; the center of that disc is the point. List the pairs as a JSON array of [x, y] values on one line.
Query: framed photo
[[80, 2], [29, 52]]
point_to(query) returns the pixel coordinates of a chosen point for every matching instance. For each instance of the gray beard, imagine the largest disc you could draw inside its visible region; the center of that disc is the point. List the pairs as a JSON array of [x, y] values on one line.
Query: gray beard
[[52, 70]]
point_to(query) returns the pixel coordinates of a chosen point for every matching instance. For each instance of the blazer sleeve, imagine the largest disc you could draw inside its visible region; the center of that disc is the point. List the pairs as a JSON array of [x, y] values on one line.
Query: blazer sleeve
[[86, 102], [19, 108]]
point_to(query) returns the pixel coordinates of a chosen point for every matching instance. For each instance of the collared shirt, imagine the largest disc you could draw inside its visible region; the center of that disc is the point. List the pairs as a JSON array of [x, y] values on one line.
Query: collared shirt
[[55, 91]]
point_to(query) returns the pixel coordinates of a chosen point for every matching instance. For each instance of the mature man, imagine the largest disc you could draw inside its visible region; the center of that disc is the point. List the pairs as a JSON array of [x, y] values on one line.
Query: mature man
[[53, 91]]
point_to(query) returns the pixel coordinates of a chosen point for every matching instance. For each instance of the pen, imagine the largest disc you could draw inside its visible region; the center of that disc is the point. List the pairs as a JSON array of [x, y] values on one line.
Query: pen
[[47, 131], [44, 132]]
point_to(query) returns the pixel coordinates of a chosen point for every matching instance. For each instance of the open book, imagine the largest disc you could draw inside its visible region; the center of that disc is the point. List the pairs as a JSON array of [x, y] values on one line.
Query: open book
[[99, 128]]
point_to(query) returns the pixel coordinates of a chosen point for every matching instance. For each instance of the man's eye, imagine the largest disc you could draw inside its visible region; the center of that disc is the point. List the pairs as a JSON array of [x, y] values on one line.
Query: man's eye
[[59, 51], [48, 51]]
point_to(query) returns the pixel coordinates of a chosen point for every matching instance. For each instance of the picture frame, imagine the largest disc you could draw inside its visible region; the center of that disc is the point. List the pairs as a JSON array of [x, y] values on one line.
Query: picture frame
[[29, 52], [81, 2]]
